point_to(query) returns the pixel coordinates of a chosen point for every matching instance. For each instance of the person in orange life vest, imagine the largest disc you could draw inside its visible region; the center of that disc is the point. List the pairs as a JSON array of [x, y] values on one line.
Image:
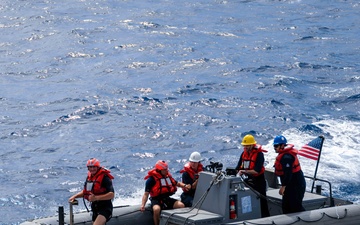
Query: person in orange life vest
[[98, 190], [190, 175], [251, 163], [160, 185], [287, 167]]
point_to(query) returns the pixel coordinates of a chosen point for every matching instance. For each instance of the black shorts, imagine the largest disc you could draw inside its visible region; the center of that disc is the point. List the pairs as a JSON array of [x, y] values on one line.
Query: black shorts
[[101, 210], [164, 203]]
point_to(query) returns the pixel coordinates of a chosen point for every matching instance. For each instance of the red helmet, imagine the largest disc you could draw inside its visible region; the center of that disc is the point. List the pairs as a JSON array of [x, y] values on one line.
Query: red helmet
[[93, 162], [161, 165]]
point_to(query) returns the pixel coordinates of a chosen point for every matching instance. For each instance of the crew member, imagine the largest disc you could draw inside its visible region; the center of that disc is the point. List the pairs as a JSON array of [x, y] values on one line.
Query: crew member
[[160, 185], [99, 191], [251, 163], [287, 167], [190, 175]]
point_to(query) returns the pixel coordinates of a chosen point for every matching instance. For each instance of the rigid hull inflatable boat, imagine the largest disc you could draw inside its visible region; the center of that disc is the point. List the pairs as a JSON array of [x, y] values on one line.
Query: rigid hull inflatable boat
[[222, 198]]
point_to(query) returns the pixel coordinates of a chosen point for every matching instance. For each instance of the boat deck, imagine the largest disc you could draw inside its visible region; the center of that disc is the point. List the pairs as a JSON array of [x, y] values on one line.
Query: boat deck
[[311, 201]]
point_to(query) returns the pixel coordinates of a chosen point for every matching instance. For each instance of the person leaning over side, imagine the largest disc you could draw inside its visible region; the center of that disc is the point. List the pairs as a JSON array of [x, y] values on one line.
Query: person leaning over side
[[287, 167], [190, 175], [160, 185], [251, 163], [99, 191]]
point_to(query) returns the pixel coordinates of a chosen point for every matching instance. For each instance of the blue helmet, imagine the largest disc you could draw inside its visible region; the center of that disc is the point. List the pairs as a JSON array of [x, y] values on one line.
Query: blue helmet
[[279, 140]]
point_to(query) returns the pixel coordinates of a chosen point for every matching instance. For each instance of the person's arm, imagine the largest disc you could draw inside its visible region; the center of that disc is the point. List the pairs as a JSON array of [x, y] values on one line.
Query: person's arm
[[193, 185], [77, 195], [182, 185], [287, 162], [248, 172], [143, 201], [238, 166], [150, 182], [282, 190], [186, 179]]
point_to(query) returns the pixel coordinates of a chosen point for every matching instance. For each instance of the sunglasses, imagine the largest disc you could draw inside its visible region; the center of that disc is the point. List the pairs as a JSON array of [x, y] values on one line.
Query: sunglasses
[[275, 146]]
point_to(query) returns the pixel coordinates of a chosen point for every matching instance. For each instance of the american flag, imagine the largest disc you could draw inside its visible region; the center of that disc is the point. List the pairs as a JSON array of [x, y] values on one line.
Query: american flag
[[312, 149]]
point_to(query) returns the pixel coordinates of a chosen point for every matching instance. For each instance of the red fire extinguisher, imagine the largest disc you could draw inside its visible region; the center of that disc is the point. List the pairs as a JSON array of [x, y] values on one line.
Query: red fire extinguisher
[[232, 209]]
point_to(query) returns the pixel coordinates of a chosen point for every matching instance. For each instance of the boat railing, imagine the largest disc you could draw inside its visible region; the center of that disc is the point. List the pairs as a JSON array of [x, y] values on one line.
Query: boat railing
[[274, 182], [62, 213], [318, 188]]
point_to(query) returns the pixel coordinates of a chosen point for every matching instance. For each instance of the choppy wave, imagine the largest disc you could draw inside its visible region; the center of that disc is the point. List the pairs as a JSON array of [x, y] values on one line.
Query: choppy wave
[[131, 82]]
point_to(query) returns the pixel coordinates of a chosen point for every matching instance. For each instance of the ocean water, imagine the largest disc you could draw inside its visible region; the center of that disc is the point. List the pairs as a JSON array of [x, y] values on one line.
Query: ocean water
[[131, 82]]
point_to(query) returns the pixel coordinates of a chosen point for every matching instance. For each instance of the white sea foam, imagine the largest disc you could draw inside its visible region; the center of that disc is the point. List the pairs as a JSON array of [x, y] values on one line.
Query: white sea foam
[[339, 158]]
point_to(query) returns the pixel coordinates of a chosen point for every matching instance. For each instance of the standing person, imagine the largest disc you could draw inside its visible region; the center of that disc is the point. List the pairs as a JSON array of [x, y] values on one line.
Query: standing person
[[251, 163], [190, 175], [98, 190], [160, 185], [287, 167]]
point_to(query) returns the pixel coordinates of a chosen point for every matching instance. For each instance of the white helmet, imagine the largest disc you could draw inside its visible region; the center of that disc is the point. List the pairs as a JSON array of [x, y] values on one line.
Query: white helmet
[[195, 157]]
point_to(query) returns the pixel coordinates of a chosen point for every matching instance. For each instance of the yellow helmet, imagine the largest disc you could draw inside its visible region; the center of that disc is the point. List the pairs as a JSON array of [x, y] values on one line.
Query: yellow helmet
[[248, 140]]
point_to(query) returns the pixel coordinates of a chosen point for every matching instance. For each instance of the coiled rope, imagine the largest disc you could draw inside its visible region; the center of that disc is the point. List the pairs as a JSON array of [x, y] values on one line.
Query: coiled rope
[[220, 175]]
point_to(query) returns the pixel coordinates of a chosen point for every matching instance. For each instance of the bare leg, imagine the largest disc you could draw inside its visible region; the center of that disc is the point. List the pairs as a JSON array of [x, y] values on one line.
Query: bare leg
[[100, 220], [178, 204], [156, 214]]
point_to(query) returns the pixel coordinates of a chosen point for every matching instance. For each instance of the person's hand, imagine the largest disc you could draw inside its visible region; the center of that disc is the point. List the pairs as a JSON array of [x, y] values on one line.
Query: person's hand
[[241, 172], [92, 197], [282, 190], [72, 198], [142, 208]]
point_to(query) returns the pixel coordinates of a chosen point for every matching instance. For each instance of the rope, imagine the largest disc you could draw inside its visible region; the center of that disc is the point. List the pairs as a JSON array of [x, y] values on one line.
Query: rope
[[87, 209], [338, 218], [259, 194], [219, 177]]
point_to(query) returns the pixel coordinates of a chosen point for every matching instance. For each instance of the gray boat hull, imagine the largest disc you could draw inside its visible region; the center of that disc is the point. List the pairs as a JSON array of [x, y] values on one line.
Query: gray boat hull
[[226, 200]]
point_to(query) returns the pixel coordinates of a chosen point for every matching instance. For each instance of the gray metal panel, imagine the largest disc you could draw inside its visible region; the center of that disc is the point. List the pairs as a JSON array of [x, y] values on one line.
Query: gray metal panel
[[271, 178], [217, 200], [274, 193], [185, 216]]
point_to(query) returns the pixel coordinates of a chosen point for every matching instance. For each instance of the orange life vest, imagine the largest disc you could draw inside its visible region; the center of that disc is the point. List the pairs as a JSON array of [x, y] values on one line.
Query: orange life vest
[[93, 183], [163, 185], [289, 149], [249, 160], [191, 172]]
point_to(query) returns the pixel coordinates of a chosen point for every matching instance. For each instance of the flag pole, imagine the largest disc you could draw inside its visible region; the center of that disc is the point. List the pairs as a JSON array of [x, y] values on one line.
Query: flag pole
[[317, 163]]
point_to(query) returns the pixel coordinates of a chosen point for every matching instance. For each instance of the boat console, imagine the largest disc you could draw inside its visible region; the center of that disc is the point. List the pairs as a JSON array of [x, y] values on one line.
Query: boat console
[[218, 198]]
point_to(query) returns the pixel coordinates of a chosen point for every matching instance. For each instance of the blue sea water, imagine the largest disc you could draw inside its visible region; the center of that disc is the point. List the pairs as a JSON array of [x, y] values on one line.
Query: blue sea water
[[130, 82]]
